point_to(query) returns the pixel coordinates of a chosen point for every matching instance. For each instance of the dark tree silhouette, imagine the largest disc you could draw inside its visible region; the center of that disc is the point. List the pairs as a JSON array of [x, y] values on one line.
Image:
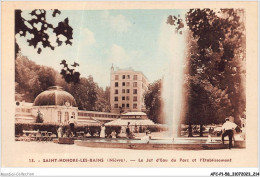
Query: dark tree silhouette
[[70, 75], [153, 102], [24, 27]]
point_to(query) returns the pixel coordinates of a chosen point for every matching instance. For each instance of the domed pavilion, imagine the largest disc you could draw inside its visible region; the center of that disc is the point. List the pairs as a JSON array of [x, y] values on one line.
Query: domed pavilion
[[56, 105]]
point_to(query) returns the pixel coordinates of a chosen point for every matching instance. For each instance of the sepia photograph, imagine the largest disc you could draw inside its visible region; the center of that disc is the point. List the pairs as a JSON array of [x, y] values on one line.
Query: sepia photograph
[[126, 85]]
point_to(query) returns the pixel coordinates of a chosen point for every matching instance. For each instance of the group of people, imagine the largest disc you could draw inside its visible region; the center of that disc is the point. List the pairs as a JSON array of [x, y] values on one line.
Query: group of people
[[129, 134], [67, 131], [227, 130], [103, 132]]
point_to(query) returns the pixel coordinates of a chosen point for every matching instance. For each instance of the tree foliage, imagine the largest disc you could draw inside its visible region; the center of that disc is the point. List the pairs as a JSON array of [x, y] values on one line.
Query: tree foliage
[[41, 31], [32, 79], [152, 100], [38, 26], [68, 73]]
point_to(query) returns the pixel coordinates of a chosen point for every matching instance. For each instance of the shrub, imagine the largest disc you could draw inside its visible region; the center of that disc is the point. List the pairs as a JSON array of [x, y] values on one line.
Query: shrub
[[156, 128], [109, 130]]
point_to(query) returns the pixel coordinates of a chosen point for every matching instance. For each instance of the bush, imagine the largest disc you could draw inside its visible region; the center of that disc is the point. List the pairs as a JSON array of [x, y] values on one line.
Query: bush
[[109, 130], [156, 128]]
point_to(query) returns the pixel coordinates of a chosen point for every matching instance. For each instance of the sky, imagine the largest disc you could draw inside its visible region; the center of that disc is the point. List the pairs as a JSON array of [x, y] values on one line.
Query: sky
[[140, 39]]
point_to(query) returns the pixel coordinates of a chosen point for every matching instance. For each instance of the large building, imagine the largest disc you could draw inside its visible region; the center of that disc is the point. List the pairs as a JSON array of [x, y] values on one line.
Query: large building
[[56, 107], [127, 89]]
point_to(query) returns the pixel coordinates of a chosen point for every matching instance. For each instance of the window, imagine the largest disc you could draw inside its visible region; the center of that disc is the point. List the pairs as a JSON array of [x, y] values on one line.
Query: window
[[135, 91], [59, 116], [116, 98], [135, 77], [116, 77], [135, 106], [127, 90], [123, 90], [116, 84], [116, 91], [73, 115], [127, 105], [123, 97], [123, 83], [128, 84], [66, 116], [123, 105], [135, 84], [127, 98], [135, 98], [128, 76], [123, 76]]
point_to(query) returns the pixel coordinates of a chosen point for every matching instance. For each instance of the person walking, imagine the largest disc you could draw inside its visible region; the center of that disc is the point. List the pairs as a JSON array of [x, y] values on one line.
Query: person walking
[[228, 128], [211, 130]]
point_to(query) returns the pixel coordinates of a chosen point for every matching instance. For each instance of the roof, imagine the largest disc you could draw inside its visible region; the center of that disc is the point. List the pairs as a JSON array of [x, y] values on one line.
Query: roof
[[122, 70], [134, 114], [55, 95]]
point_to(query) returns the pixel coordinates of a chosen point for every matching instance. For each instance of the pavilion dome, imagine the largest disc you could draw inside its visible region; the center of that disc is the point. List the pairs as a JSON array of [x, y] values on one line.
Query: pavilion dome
[[55, 96]]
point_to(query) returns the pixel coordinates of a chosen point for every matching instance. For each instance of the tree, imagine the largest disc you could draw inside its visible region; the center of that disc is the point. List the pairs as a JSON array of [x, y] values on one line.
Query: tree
[[103, 100], [32, 79], [27, 84], [221, 53], [216, 64], [70, 75], [153, 101], [85, 93], [37, 27], [24, 27]]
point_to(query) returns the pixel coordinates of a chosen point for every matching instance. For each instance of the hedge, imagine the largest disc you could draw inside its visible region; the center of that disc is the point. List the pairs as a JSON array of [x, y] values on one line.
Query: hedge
[[19, 127]]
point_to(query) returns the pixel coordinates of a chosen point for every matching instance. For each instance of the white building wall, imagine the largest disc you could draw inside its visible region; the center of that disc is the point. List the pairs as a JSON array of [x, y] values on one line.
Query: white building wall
[[127, 76], [50, 113]]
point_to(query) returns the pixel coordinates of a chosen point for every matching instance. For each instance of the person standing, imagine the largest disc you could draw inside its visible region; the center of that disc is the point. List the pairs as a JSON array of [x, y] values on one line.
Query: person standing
[[102, 131], [72, 125], [59, 131], [211, 131], [127, 131], [228, 128]]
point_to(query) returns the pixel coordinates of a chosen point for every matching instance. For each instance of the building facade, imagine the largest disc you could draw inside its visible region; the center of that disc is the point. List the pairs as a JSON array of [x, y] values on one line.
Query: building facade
[[127, 88], [57, 107]]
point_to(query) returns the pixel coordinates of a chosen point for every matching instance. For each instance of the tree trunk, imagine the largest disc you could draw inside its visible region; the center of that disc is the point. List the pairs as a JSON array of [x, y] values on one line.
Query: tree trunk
[[201, 130], [190, 131]]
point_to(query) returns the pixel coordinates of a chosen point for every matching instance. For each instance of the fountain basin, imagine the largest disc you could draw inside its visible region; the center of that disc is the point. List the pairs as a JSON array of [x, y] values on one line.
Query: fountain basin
[[163, 144]]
